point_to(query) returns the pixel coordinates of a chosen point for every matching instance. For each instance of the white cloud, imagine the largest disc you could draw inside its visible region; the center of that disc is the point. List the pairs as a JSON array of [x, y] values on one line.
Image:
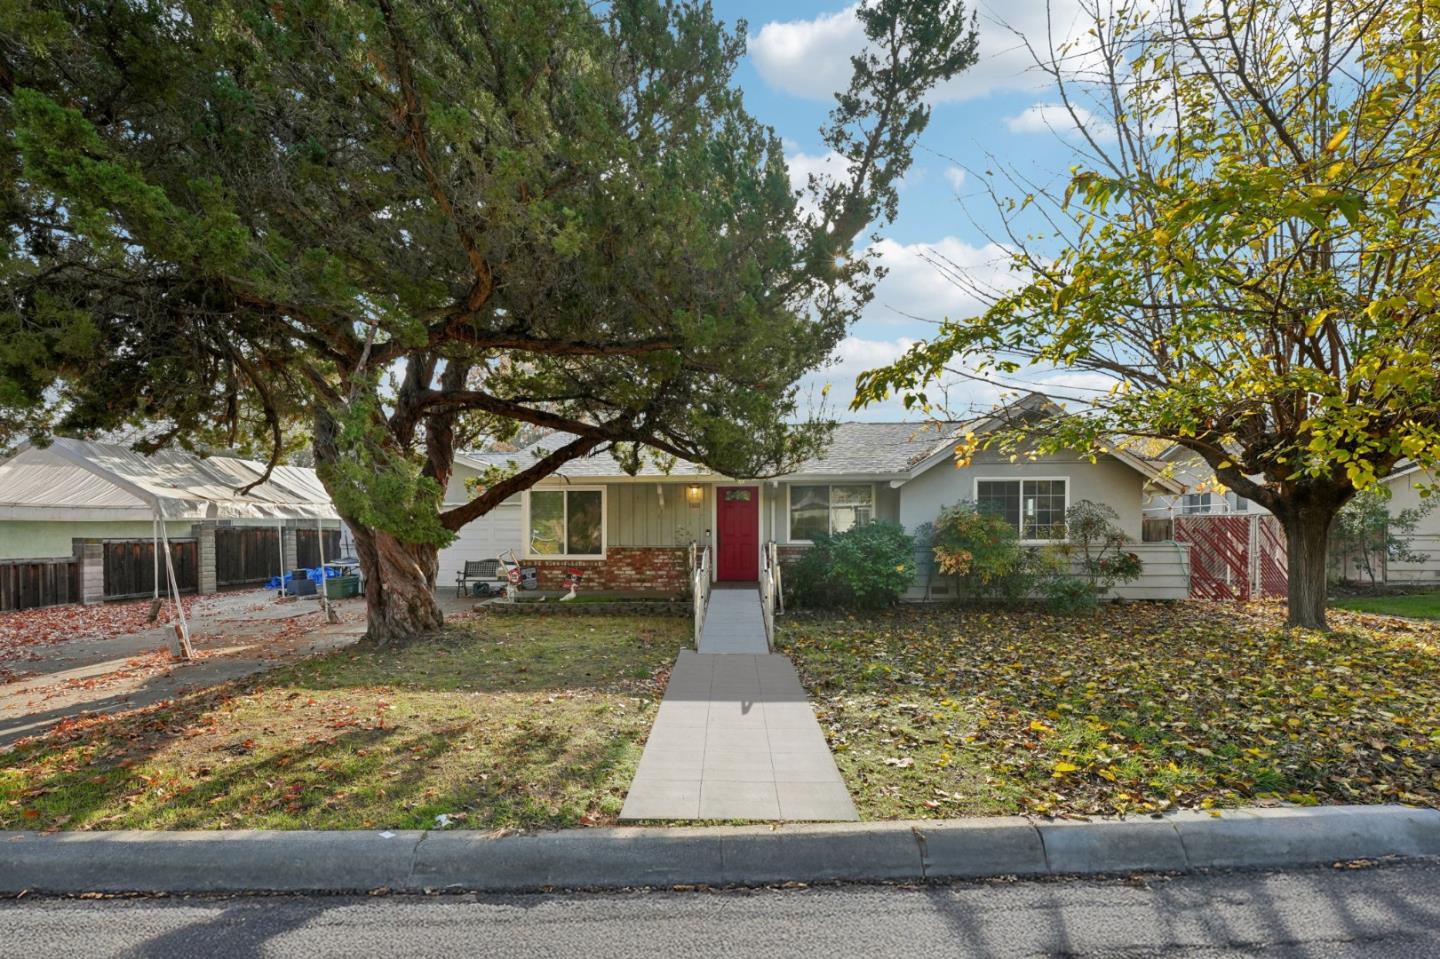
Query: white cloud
[[936, 281], [955, 177], [1078, 386], [957, 395], [852, 357], [919, 282], [1056, 118], [803, 165], [811, 58]]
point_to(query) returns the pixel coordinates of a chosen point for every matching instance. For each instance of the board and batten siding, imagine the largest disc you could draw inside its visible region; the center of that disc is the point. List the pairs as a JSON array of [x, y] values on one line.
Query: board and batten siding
[[655, 514]]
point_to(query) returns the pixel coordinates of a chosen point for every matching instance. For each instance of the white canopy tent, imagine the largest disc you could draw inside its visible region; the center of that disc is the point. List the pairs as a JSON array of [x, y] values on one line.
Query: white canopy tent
[[53, 482], [74, 480]]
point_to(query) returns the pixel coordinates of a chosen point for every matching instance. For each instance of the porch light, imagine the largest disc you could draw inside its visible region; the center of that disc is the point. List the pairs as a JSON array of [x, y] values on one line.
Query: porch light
[[694, 495]]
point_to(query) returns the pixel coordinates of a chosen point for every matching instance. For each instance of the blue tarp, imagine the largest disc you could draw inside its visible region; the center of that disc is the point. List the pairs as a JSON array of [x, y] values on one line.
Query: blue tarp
[[314, 575]]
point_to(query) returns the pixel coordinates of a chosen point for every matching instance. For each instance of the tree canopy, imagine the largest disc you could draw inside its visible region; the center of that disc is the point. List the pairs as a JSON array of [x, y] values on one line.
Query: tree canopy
[[1244, 259], [411, 224]]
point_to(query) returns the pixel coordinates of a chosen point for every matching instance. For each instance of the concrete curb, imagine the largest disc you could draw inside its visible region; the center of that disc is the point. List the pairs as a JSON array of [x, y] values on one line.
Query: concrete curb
[[412, 861]]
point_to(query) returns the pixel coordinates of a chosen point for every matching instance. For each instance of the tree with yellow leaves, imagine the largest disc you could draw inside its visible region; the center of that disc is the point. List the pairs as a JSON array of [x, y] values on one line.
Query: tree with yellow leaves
[[1247, 251]]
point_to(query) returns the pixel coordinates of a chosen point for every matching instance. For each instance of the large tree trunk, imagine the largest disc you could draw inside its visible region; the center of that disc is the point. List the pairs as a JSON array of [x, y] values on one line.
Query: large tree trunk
[[399, 576], [399, 587], [1307, 542]]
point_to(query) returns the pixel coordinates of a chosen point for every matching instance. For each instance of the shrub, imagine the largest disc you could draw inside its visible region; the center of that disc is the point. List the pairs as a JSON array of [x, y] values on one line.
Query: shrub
[[1070, 594], [983, 552], [866, 567], [1099, 544]]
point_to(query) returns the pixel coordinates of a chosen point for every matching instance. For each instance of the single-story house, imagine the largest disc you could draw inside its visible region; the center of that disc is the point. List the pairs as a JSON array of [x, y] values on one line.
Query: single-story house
[[632, 533], [74, 505]]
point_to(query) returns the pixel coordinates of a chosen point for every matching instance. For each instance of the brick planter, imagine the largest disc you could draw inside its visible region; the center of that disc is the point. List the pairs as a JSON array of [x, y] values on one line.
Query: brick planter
[[625, 569], [620, 607]]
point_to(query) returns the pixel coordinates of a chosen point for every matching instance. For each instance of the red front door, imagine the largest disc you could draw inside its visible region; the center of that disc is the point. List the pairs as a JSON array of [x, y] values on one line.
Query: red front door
[[737, 521]]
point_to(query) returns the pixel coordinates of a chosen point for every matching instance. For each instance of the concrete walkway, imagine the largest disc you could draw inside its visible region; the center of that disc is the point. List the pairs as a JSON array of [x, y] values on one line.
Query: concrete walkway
[[735, 737], [734, 623]]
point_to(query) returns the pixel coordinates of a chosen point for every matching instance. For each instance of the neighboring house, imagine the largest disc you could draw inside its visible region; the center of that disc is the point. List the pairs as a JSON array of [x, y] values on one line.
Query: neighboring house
[[632, 533], [74, 504], [1204, 494], [1405, 486], [1201, 494]]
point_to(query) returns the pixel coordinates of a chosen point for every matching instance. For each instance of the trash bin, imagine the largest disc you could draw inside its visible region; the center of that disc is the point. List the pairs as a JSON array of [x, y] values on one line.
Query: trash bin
[[342, 587]]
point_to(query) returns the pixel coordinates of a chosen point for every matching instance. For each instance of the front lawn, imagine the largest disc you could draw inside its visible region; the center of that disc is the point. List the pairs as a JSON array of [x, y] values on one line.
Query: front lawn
[[1135, 708], [500, 723], [1415, 605]]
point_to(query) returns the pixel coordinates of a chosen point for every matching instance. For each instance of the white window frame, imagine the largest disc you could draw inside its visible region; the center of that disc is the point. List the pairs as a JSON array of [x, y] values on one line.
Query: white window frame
[[1204, 508], [1022, 480], [789, 488], [604, 521]]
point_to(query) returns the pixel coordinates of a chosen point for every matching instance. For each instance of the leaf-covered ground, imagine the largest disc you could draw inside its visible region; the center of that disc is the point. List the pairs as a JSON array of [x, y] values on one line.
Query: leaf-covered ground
[[498, 724], [58, 624], [1135, 708]]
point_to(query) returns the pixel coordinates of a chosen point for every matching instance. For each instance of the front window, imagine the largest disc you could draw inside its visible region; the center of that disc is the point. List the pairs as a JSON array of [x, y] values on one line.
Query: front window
[[1036, 508], [567, 522], [818, 510]]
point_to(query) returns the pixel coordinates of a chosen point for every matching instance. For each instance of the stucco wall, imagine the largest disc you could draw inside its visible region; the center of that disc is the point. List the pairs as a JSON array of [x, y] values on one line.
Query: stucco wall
[[30, 540], [1106, 481]]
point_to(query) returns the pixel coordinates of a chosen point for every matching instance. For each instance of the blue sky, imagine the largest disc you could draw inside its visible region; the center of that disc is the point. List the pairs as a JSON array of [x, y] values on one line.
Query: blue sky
[[799, 55]]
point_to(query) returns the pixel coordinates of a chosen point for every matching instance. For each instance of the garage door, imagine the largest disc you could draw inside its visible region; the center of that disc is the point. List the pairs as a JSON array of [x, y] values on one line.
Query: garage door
[[484, 538]]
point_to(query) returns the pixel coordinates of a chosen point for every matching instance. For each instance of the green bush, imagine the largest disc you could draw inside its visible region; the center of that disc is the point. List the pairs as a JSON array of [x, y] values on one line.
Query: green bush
[[1069, 594], [866, 567], [1098, 544], [982, 551]]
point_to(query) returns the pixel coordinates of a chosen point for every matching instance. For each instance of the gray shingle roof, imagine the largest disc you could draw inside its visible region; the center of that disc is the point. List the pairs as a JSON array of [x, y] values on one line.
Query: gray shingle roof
[[862, 448], [594, 465], [855, 448]]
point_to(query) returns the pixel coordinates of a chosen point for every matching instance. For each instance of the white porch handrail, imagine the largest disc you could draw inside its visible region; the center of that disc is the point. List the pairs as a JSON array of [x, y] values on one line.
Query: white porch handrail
[[700, 585], [771, 595]]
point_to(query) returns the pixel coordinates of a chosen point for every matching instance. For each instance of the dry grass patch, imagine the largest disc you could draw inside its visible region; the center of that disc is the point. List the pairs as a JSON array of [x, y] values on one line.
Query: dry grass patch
[[499, 724]]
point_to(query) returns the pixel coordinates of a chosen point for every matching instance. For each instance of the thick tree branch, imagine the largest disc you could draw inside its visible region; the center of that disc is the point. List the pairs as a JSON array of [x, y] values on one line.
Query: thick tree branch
[[453, 519]]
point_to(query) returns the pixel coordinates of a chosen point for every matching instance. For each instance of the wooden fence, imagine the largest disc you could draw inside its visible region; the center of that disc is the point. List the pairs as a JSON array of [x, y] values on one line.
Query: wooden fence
[[245, 555], [130, 567], [29, 583], [307, 548], [1234, 556]]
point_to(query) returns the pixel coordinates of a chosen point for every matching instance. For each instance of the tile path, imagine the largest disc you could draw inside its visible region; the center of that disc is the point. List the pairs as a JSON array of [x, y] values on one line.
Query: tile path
[[735, 738]]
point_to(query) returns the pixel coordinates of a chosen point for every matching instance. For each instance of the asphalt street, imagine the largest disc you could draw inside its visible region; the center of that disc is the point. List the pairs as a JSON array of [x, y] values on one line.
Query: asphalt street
[[1378, 911]]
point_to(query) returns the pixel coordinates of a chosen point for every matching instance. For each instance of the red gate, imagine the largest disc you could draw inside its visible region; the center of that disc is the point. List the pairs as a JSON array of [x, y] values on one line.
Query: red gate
[[1234, 557]]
